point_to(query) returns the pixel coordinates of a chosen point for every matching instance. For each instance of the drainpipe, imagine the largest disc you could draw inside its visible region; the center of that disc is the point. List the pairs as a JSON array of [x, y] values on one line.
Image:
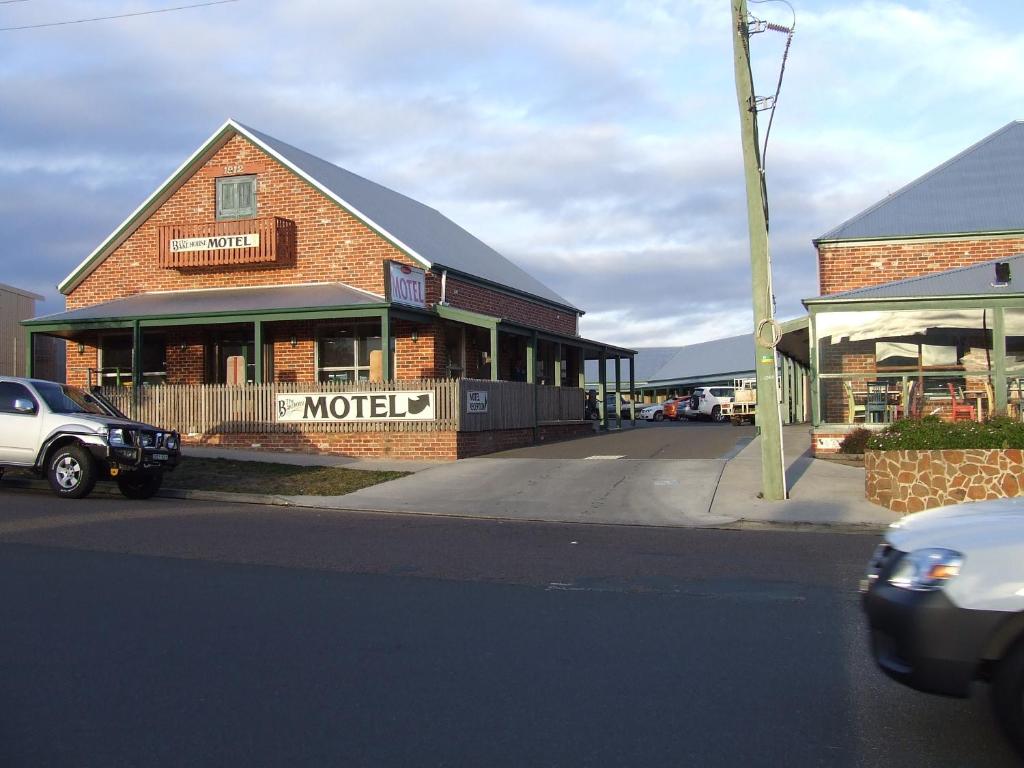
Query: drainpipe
[[444, 288]]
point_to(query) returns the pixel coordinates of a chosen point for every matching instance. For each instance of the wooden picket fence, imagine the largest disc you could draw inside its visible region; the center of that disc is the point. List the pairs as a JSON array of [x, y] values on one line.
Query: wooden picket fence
[[223, 409]]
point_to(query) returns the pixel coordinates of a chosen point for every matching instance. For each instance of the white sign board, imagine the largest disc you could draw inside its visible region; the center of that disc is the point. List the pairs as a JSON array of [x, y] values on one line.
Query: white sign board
[[215, 243], [476, 401], [407, 285], [827, 443], [355, 406]]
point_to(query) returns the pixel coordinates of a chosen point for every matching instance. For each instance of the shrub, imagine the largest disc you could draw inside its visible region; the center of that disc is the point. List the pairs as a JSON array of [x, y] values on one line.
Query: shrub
[[933, 434], [856, 441]]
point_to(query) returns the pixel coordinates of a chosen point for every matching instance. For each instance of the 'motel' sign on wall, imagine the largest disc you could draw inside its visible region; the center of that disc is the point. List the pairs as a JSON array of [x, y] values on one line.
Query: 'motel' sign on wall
[[407, 285], [356, 406]]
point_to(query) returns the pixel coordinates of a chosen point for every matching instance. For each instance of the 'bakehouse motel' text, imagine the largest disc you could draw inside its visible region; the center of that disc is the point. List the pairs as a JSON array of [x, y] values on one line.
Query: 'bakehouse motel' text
[[215, 243]]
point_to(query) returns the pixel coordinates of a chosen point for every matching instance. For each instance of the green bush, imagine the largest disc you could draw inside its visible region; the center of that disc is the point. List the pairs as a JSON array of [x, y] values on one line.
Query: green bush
[[856, 441], [933, 434]]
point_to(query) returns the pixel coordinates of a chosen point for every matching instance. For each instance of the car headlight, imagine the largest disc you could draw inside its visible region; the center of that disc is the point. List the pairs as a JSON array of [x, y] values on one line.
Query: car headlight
[[116, 437], [924, 570]]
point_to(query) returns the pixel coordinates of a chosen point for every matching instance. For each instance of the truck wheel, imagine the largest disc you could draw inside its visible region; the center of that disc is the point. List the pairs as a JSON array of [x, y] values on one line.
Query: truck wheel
[[1008, 695], [717, 415], [71, 472], [140, 485]]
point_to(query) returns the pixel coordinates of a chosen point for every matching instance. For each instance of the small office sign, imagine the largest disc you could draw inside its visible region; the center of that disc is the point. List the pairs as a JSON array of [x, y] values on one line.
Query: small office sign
[[309, 407], [215, 243], [406, 285], [476, 401]]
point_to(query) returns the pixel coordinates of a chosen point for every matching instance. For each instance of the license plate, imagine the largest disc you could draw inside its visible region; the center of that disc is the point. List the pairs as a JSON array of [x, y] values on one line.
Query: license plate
[[160, 457]]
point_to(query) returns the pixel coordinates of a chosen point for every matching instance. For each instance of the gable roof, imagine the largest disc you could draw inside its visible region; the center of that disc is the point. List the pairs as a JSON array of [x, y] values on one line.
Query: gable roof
[[420, 231], [981, 190], [974, 280], [716, 358]]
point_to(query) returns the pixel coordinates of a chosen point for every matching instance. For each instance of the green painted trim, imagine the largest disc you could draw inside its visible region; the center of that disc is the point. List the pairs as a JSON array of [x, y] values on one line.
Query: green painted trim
[[602, 386], [385, 345], [999, 359], [257, 346], [142, 212], [814, 376], [494, 357], [618, 392], [977, 301], [30, 354], [136, 355], [314, 313], [100, 325], [467, 317], [1001, 233], [796, 324], [531, 359]]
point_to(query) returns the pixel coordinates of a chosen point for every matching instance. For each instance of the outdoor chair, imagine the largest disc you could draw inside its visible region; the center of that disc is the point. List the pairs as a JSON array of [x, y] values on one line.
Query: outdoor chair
[[856, 410], [961, 410], [877, 403]]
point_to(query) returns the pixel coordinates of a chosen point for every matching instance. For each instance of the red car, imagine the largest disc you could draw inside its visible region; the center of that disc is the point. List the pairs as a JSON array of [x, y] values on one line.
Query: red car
[[674, 408]]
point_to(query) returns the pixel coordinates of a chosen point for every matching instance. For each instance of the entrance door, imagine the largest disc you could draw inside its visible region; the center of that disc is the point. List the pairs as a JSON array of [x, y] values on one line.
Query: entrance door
[[229, 351]]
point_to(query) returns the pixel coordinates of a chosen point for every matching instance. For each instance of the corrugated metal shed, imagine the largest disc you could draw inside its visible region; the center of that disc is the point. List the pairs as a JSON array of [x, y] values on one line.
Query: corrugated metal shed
[[434, 236], [975, 280], [15, 305], [979, 190], [218, 301]]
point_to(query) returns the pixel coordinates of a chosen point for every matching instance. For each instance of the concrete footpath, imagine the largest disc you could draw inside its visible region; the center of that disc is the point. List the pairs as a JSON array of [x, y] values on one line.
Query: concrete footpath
[[678, 492]]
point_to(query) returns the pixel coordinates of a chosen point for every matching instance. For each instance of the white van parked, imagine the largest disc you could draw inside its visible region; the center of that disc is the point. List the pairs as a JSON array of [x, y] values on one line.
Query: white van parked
[[944, 598]]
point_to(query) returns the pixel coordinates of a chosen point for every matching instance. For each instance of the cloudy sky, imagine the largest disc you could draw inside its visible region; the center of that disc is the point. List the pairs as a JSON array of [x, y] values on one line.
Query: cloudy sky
[[594, 142]]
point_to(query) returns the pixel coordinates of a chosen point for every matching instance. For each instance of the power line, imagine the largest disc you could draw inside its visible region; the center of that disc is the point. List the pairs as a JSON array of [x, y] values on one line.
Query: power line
[[8, 2], [107, 18]]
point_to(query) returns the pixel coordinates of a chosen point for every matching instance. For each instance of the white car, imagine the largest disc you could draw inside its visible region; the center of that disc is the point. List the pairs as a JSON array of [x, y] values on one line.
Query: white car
[[654, 412], [710, 401], [944, 598]]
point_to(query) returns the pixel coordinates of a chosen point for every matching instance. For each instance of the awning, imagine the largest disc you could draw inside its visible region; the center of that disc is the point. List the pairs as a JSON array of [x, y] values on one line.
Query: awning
[[218, 304]]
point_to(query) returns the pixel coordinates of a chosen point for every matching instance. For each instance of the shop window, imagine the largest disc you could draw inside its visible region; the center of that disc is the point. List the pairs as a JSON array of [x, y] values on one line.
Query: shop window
[[347, 353], [236, 197], [116, 360]]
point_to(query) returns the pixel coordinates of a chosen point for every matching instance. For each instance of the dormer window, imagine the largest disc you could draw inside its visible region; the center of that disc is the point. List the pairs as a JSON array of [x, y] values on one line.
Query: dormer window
[[236, 197]]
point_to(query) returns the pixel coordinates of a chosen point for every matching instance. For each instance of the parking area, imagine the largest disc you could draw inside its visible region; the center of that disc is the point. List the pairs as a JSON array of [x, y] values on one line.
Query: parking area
[[648, 440]]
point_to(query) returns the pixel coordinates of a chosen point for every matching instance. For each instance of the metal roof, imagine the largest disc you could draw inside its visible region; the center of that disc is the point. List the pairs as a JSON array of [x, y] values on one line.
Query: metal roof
[[979, 190], [422, 232], [218, 301], [975, 280], [432, 235], [719, 357]]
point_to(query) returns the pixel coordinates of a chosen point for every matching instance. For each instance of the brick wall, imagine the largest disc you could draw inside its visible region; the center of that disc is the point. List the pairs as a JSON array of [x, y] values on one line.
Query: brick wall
[[441, 446], [331, 245], [847, 266]]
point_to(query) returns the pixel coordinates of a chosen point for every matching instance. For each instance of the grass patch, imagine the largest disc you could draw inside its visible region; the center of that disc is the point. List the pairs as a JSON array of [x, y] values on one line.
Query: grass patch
[[233, 476]]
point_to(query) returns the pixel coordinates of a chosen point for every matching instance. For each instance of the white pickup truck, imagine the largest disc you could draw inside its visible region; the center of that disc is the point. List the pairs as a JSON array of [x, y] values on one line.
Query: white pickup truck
[[944, 598]]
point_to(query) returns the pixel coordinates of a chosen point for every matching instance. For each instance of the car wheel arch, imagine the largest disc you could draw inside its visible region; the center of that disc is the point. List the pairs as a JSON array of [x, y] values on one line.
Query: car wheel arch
[[1009, 632]]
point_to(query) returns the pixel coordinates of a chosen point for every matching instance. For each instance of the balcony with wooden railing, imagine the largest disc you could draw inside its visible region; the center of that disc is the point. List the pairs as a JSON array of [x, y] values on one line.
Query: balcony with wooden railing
[[265, 240]]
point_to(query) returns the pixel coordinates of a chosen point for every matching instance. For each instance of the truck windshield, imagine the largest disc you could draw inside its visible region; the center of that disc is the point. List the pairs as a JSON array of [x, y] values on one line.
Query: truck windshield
[[64, 399]]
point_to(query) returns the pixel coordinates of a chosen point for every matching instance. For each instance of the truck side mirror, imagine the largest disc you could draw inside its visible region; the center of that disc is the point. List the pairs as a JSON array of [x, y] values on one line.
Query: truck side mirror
[[24, 405]]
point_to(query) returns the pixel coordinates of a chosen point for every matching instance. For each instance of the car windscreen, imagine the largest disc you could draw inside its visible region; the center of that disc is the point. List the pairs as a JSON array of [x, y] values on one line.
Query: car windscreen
[[64, 399]]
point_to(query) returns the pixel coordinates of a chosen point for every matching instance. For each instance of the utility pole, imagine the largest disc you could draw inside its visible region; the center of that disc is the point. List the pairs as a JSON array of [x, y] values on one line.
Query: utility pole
[[769, 416]]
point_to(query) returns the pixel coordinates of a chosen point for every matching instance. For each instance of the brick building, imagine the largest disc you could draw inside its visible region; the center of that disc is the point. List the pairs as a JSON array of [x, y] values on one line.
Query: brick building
[[919, 312], [256, 262]]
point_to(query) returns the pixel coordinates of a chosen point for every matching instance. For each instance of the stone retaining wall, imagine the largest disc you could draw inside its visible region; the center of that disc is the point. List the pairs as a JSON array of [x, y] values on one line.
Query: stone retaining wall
[[912, 481]]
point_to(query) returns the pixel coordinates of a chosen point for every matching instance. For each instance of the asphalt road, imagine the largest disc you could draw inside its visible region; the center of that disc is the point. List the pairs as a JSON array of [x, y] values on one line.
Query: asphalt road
[[648, 440], [171, 633]]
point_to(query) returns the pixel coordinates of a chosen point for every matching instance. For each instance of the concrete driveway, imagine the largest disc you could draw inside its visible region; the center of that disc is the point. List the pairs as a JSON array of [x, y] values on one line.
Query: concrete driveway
[[657, 474]]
